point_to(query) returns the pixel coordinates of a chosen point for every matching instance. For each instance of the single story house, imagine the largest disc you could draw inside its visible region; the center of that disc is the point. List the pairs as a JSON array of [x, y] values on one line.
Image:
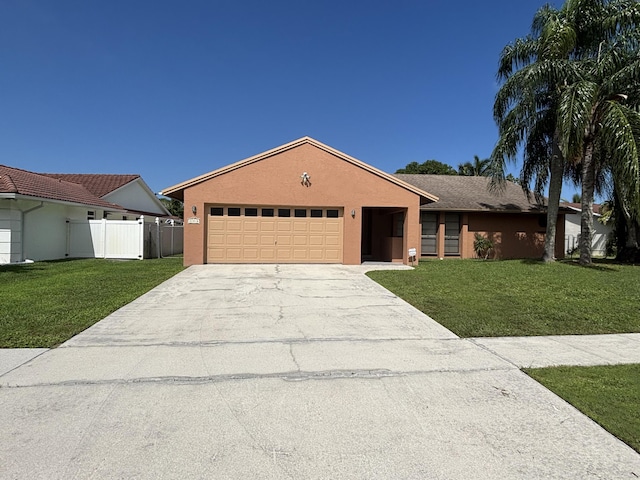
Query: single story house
[[36, 209], [305, 202], [515, 224], [572, 229]]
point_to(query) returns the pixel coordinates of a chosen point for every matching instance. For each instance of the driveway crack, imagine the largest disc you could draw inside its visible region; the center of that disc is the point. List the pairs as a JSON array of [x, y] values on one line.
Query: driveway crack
[[293, 357]]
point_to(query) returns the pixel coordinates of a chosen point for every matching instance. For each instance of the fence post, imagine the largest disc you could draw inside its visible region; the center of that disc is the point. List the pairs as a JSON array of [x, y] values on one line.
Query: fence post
[[141, 236], [104, 237], [158, 240], [68, 238], [173, 233]]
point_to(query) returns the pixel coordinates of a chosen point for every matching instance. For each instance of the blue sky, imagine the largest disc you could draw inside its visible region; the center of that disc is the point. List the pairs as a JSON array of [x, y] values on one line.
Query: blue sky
[[174, 89]]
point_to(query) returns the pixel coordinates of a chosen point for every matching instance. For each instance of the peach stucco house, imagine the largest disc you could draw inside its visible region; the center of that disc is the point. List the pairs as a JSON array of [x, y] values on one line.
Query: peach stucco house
[[514, 223], [305, 202]]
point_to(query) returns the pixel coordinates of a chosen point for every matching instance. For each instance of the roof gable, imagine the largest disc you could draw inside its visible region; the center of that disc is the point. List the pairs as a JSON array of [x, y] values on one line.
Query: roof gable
[[471, 193], [23, 182], [136, 196], [176, 191], [97, 183]]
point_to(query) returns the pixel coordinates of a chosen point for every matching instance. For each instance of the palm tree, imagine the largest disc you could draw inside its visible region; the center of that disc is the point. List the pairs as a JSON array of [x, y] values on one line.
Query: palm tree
[[532, 70], [479, 168], [562, 98], [599, 129]]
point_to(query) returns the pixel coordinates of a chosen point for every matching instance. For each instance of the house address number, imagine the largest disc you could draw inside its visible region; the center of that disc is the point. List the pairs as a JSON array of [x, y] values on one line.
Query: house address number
[[193, 220]]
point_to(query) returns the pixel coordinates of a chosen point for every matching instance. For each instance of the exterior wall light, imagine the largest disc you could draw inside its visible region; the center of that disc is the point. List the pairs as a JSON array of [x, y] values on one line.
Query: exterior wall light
[[194, 209], [353, 213], [306, 179]]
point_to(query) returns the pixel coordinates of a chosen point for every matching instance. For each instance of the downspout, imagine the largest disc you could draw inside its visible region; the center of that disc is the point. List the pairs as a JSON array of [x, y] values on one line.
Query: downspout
[[24, 213]]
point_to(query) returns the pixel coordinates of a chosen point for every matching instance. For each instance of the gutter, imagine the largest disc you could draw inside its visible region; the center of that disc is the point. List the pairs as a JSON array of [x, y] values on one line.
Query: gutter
[[110, 207]]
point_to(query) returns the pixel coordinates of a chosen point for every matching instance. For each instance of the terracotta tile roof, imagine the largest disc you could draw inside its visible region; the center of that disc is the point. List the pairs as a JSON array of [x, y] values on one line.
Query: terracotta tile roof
[[97, 183], [6, 183], [15, 180], [466, 193]]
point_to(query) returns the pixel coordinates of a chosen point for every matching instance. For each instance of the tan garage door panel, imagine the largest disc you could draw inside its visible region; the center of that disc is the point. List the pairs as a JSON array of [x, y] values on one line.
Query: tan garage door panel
[[270, 239]]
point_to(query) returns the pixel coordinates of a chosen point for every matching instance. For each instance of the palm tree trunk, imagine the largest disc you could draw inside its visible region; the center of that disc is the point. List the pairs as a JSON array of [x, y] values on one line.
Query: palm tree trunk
[[555, 190], [586, 216], [629, 251], [632, 235]]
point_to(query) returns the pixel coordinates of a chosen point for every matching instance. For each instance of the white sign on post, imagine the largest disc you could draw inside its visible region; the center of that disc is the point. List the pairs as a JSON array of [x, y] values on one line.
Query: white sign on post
[[193, 220], [412, 255]]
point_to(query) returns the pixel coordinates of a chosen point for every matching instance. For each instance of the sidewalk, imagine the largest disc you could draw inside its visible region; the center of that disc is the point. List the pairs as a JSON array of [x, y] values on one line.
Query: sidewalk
[[574, 350], [11, 358], [522, 352]]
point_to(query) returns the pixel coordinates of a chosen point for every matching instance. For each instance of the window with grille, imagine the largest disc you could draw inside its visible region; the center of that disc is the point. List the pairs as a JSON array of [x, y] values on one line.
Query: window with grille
[[452, 234], [429, 233]]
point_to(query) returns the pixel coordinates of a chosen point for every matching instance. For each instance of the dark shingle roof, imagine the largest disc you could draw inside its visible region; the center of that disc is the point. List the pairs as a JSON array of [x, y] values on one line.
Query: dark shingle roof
[[15, 180], [97, 183], [466, 193]]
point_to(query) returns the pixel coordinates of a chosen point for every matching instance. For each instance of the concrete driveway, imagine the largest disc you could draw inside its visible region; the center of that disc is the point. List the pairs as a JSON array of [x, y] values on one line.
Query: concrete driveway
[[287, 371]]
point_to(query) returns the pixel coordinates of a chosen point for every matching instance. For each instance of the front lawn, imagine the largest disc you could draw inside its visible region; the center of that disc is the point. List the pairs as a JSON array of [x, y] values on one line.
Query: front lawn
[[475, 298], [609, 395], [45, 303]]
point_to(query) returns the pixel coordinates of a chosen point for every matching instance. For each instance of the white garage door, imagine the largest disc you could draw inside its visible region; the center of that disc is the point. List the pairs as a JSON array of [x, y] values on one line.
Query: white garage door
[[261, 234]]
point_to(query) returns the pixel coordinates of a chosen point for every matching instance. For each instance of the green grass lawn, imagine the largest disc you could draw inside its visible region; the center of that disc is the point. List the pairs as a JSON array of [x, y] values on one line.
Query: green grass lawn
[[45, 303], [609, 395], [474, 298]]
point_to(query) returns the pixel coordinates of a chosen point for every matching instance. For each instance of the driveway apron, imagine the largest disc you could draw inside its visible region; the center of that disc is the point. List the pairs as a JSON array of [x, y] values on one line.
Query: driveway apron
[[287, 371]]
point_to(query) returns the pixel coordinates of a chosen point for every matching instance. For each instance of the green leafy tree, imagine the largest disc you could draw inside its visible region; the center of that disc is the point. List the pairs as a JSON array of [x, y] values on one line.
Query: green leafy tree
[[479, 168], [175, 207], [432, 167], [511, 178]]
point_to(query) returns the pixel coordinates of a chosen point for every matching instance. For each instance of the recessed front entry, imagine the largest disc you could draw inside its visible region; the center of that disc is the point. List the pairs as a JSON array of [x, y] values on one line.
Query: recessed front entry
[[383, 234], [274, 234]]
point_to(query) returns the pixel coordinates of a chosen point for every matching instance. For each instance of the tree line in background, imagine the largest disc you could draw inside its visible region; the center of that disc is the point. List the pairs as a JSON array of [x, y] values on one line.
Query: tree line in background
[[175, 207], [433, 167], [570, 98]]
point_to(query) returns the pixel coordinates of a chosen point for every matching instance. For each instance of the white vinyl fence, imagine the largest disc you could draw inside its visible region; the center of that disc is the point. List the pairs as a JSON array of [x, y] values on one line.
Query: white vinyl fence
[[122, 239]]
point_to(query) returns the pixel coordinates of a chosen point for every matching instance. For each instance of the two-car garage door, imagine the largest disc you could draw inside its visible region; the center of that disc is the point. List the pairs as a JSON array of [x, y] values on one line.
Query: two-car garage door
[[266, 234]]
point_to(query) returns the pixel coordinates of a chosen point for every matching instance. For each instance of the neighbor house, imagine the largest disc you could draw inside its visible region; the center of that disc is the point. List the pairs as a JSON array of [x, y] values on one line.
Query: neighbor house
[[572, 229], [129, 191], [305, 202], [37, 210]]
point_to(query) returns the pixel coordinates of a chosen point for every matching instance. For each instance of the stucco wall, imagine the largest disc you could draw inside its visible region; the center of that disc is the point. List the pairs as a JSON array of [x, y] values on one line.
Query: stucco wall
[[44, 230], [513, 235], [276, 181]]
